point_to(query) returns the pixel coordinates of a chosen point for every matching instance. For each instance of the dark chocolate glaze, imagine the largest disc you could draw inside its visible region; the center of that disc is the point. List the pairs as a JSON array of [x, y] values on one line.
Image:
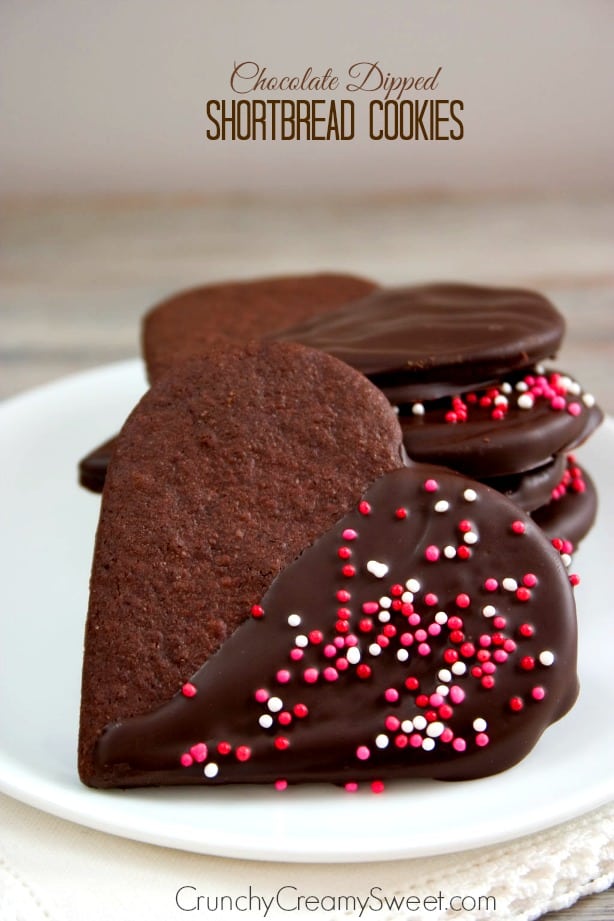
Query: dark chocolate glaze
[[571, 515], [484, 447], [531, 489], [518, 658], [428, 341], [93, 467]]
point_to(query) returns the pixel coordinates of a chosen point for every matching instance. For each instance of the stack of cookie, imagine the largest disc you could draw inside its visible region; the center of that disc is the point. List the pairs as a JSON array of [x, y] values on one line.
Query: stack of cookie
[[462, 365], [278, 595]]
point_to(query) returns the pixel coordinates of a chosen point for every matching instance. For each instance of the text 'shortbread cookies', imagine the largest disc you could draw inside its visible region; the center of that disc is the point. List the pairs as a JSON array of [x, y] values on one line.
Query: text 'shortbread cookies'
[[428, 341], [186, 324], [431, 632], [228, 468]]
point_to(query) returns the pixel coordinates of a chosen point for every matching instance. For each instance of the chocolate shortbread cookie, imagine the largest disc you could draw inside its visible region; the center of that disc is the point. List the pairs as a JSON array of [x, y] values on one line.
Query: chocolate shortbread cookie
[[228, 468], [430, 633], [428, 341], [186, 324]]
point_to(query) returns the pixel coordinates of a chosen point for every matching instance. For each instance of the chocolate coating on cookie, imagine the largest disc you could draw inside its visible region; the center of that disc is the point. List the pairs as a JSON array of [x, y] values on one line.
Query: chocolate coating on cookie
[[427, 341], [187, 324], [430, 633], [571, 512], [226, 470], [93, 467], [512, 426], [531, 489]]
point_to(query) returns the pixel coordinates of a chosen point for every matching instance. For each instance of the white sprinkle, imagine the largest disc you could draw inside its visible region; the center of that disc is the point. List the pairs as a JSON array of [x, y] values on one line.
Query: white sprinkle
[[407, 726], [588, 399], [540, 369], [375, 649], [505, 387], [449, 552], [459, 668], [419, 722], [353, 655], [407, 597], [566, 559], [565, 381], [501, 400], [480, 724], [509, 584], [444, 674], [575, 388], [413, 585], [382, 740], [275, 704], [266, 720], [443, 689], [210, 769], [377, 569], [383, 617], [522, 386], [396, 409], [489, 610], [418, 409], [442, 505], [470, 495], [402, 655], [526, 401], [294, 620], [435, 729], [385, 602], [441, 618], [301, 640], [428, 745], [470, 537], [546, 658]]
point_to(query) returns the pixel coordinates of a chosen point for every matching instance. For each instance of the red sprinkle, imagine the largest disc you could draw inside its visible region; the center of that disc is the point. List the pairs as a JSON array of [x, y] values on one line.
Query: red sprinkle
[[257, 611], [188, 689], [518, 527], [364, 508], [400, 513], [243, 753]]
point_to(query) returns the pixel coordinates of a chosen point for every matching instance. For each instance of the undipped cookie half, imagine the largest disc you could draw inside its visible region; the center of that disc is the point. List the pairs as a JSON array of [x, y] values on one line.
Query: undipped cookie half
[[430, 633], [226, 470]]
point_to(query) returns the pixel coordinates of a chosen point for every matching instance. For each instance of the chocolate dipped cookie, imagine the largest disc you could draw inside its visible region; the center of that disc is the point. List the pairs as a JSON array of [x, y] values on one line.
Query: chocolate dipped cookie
[[429, 341], [431, 632], [227, 469]]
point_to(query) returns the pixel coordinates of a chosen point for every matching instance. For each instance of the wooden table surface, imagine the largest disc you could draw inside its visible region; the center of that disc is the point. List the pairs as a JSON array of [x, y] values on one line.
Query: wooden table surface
[[75, 277]]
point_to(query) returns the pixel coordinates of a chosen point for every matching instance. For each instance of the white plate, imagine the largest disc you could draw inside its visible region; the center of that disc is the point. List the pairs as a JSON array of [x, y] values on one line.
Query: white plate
[[45, 551]]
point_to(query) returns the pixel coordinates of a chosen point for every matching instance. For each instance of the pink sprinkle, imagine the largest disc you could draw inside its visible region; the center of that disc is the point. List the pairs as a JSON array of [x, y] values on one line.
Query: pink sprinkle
[[431, 485], [459, 745], [457, 695], [188, 689], [199, 752], [392, 723], [391, 695], [421, 635], [351, 640], [436, 700], [349, 534], [432, 553], [370, 607], [481, 739], [330, 650], [431, 599], [557, 403], [342, 664], [281, 784], [529, 580], [339, 642], [488, 667], [261, 695], [574, 409], [406, 639], [351, 787], [330, 673], [283, 676], [434, 629], [424, 649], [186, 759], [363, 753], [463, 600], [310, 675], [499, 655], [538, 693], [447, 735], [491, 585], [296, 654], [413, 619], [415, 740]]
